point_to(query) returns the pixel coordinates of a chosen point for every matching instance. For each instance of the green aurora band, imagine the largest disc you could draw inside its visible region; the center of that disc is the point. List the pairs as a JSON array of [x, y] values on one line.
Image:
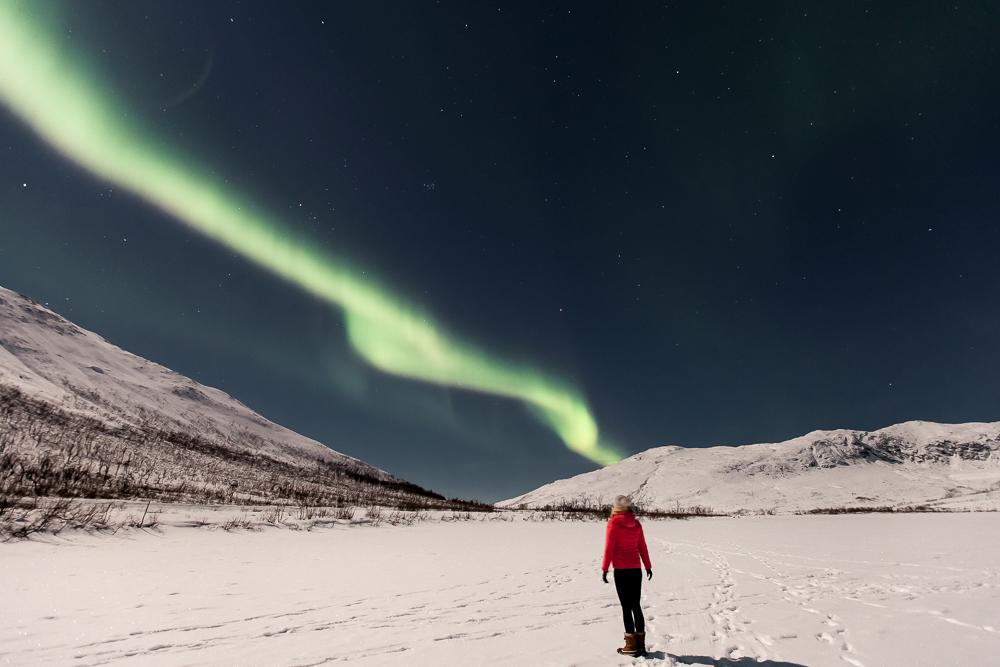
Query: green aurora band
[[67, 105]]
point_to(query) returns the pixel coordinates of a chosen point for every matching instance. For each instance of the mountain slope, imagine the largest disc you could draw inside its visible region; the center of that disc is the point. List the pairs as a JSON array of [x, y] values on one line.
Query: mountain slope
[[944, 465], [79, 407]]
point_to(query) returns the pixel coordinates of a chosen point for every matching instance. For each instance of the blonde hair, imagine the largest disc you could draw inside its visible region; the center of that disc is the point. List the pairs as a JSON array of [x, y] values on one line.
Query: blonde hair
[[621, 504]]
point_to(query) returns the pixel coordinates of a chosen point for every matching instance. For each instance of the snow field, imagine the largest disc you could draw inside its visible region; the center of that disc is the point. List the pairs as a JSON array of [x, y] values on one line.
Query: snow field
[[863, 590]]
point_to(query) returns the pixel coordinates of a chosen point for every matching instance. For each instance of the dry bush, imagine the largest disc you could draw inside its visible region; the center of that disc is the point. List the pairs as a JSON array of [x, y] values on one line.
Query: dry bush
[[874, 509], [345, 513], [20, 520], [239, 522], [403, 518], [374, 515], [273, 515]]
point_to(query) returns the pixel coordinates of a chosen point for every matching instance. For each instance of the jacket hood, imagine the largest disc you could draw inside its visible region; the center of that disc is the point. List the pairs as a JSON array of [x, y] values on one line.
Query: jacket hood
[[625, 519]]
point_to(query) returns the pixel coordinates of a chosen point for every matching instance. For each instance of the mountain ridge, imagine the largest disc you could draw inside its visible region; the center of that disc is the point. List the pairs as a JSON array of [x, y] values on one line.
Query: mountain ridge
[[914, 462], [66, 390]]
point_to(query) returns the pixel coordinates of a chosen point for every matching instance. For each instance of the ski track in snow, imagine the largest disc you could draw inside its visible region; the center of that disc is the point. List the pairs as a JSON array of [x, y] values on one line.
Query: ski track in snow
[[781, 592]]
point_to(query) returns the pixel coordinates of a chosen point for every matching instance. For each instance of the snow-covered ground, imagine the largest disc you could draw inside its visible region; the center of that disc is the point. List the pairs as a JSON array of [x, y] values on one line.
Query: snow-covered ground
[[873, 590]]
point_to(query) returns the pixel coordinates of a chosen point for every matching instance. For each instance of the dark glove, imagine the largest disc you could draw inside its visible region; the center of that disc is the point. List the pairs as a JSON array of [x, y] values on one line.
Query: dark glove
[[604, 577], [649, 575]]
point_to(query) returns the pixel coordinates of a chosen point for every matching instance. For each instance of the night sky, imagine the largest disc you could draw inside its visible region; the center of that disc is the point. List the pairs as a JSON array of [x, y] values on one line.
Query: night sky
[[715, 223]]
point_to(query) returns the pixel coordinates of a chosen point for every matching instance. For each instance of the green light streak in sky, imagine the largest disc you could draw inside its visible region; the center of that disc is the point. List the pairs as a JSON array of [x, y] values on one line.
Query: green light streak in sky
[[67, 105]]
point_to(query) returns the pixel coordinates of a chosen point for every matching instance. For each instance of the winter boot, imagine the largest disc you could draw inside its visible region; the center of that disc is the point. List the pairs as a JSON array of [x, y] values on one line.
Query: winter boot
[[640, 643], [629, 648]]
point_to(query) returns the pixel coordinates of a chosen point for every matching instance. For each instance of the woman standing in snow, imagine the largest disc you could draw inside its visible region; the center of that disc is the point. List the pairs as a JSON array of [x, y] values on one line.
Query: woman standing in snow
[[624, 545]]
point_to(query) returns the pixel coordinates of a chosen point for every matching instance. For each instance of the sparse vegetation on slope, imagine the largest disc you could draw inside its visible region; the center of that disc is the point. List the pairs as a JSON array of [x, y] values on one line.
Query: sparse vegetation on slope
[[48, 450]]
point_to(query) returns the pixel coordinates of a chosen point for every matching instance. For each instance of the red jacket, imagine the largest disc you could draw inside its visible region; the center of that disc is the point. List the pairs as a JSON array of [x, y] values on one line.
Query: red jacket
[[624, 543]]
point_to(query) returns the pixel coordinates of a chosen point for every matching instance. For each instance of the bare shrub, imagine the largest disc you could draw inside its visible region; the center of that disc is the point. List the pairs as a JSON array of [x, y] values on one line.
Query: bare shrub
[[871, 509], [345, 513], [401, 518], [95, 515], [273, 515], [309, 512], [46, 517], [238, 522]]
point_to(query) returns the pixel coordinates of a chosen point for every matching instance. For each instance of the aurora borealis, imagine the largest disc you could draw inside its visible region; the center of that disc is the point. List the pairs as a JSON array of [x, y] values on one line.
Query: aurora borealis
[[484, 247], [39, 80]]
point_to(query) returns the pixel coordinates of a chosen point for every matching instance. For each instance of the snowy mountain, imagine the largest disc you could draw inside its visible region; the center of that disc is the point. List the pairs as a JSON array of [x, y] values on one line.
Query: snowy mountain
[[92, 409], [916, 462]]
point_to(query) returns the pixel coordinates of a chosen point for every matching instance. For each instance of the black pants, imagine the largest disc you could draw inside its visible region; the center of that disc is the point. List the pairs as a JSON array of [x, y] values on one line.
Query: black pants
[[628, 583]]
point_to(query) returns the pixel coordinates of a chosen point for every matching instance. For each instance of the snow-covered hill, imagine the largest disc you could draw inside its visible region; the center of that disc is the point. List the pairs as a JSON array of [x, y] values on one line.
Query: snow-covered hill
[[913, 463], [66, 393]]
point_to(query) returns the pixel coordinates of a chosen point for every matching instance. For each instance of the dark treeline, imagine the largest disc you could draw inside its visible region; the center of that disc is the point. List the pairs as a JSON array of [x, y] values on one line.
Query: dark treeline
[[597, 508]]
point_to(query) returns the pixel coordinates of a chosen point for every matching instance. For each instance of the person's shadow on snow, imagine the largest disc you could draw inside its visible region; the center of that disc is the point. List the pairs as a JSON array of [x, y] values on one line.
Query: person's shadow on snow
[[721, 662]]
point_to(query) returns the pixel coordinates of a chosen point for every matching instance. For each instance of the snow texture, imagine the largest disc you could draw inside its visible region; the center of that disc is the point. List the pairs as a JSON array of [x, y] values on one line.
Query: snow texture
[[907, 590], [49, 358], [943, 466]]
